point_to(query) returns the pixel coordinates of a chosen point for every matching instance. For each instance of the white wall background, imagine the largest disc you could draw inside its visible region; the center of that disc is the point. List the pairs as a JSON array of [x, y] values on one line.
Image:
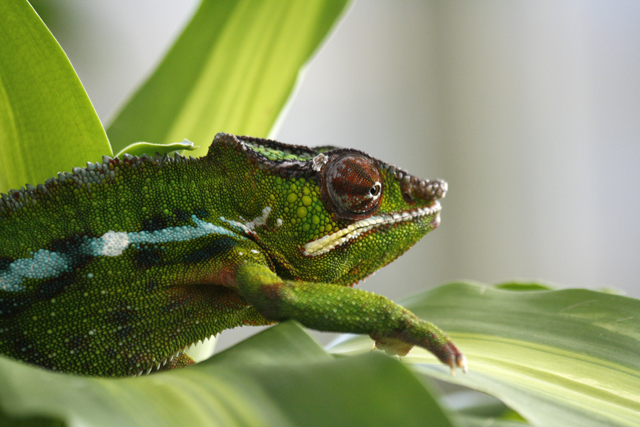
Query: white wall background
[[530, 110]]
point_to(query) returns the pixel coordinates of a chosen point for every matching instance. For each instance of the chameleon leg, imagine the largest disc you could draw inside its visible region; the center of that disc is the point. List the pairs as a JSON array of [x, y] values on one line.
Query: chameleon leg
[[336, 308]]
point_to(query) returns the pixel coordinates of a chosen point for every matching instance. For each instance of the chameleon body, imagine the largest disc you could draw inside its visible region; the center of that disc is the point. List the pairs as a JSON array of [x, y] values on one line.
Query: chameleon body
[[116, 268]]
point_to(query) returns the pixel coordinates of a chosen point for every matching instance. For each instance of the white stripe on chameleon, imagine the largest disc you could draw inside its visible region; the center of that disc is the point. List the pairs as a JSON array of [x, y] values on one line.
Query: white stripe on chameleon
[[332, 241], [46, 264], [111, 243], [247, 227]]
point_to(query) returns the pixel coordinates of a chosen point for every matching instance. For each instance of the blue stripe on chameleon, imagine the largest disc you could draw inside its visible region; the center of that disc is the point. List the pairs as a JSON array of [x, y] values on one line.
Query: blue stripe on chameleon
[[46, 264], [113, 243]]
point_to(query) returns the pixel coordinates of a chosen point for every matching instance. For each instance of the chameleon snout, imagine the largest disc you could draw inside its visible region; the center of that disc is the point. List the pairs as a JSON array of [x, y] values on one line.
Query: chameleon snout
[[416, 188]]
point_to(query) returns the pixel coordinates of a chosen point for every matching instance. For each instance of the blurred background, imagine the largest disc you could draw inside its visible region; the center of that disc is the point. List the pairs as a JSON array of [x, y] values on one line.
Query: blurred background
[[530, 110]]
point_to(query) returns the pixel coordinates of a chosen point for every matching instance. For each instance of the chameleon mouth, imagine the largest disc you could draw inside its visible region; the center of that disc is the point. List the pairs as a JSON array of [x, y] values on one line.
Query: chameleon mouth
[[332, 241]]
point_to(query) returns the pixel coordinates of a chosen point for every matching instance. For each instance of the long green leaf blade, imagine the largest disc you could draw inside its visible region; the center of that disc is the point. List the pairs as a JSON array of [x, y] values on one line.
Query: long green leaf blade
[[279, 377], [47, 123], [566, 357], [232, 70]]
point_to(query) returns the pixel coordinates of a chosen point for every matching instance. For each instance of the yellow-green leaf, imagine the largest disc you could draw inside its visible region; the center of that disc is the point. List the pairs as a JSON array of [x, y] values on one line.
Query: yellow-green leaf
[[47, 123]]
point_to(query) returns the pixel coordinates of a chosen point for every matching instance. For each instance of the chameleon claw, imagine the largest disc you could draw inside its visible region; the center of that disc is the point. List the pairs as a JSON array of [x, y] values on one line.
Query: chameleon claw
[[457, 361], [454, 359], [462, 363]]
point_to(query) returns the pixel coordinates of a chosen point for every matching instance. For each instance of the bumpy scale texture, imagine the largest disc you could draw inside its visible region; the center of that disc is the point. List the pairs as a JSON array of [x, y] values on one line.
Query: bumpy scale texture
[[116, 268]]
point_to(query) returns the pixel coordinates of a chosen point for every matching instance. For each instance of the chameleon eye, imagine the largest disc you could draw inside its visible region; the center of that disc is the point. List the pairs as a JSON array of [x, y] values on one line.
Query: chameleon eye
[[353, 185], [375, 190]]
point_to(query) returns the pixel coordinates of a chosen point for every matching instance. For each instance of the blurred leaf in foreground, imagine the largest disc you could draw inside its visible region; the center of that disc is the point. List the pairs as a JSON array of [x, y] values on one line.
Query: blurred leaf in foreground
[[280, 377]]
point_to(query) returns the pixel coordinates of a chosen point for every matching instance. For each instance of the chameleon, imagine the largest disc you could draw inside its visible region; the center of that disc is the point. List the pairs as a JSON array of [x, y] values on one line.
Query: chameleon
[[116, 268]]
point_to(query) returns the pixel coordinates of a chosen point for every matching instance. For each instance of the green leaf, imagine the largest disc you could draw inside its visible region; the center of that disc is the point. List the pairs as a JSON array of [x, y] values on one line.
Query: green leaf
[[471, 421], [140, 148], [523, 286], [232, 70], [567, 357], [280, 377], [47, 123]]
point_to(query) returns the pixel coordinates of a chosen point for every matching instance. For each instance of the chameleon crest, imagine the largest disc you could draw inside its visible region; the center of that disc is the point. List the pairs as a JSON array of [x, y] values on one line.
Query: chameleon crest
[[115, 269]]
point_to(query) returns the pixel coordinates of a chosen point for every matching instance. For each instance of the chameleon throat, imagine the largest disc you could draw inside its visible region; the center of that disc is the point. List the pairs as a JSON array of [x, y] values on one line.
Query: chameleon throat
[[332, 241]]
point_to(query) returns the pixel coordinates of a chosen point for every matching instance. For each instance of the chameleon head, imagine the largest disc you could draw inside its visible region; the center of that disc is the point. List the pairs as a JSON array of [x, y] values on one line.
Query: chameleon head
[[376, 197], [336, 214]]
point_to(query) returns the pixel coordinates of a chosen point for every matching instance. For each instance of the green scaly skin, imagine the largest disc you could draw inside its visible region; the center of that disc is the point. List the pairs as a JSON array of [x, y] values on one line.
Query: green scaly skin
[[115, 269]]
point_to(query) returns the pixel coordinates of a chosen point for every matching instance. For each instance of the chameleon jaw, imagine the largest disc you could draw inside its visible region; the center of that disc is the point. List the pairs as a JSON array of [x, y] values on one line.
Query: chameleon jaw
[[329, 242]]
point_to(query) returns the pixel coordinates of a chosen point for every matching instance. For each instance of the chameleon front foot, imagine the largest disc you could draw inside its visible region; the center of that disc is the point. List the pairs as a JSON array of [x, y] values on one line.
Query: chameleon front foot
[[447, 353], [454, 358]]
